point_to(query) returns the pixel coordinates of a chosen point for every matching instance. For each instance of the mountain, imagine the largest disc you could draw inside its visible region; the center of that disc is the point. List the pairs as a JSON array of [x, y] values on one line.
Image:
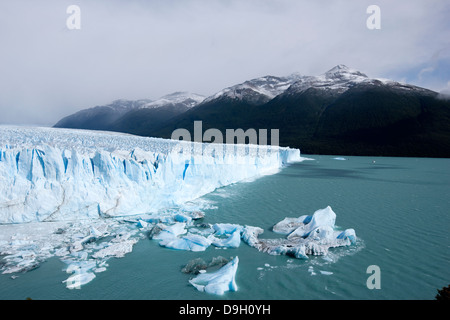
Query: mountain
[[363, 117], [341, 111], [132, 116], [100, 117], [256, 91], [153, 115]]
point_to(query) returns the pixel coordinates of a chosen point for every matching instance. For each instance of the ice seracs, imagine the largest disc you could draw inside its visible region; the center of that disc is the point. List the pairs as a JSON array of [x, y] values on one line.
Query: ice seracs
[[51, 174]]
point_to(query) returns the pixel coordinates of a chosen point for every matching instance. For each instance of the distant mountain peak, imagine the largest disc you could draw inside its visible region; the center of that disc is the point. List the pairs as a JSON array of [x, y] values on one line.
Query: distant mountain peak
[[176, 98], [257, 91], [342, 69], [339, 67]]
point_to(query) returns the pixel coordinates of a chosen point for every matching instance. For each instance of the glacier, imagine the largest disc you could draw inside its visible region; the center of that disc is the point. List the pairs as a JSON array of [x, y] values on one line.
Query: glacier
[[49, 174], [89, 196]]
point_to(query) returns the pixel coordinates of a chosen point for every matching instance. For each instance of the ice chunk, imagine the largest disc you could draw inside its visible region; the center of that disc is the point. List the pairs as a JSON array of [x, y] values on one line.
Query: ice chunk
[[79, 279], [118, 249], [142, 224], [170, 232], [250, 235], [226, 228], [191, 242], [288, 225], [218, 282], [348, 234], [179, 217], [322, 232], [321, 218], [81, 266], [326, 273], [233, 240], [313, 235]]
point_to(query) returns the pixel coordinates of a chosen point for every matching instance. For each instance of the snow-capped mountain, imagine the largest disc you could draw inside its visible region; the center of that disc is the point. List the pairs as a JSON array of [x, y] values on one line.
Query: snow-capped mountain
[[257, 91], [119, 115], [341, 78], [185, 99], [123, 104], [342, 111]]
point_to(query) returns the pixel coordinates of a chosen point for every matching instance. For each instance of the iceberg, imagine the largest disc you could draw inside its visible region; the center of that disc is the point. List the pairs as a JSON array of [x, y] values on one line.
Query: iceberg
[[190, 242], [232, 241], [226, 228], [118, 250], [288, 225], [306, 235], [170, 232], [218, 282], [79, 279], [323, 218]]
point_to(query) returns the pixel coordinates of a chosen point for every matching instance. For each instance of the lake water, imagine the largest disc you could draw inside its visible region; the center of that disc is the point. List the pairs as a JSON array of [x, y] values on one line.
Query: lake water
[[399, 208]]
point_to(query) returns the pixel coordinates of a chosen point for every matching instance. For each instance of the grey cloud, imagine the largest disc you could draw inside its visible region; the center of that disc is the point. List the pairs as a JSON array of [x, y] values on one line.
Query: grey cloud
[[146, 49]]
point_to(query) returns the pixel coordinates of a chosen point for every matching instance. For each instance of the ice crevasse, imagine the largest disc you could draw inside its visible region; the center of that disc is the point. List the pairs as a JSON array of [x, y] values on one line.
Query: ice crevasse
[[49, 174]]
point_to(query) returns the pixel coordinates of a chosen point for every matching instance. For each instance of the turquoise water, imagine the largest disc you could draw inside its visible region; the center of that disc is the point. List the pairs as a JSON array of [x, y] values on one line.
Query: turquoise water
[[399, 208]]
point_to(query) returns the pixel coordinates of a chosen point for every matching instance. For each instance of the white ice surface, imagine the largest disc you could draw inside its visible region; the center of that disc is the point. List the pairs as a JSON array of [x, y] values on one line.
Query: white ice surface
[[50, 174], [218, 282]]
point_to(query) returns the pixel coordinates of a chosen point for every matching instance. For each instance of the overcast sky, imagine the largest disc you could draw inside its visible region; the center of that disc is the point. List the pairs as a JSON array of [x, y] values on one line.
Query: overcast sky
[[136, 49]]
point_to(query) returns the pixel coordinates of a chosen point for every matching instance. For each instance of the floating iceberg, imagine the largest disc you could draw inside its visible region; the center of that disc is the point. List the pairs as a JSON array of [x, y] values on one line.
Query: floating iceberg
[[218, 282], [118, 250], [79, 279], [190, 242], [232, 241], [170, 232], [306, 235], [288, 225]]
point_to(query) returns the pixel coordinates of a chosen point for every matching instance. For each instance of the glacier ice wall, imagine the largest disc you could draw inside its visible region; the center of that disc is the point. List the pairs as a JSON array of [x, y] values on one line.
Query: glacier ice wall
[[49, 174]]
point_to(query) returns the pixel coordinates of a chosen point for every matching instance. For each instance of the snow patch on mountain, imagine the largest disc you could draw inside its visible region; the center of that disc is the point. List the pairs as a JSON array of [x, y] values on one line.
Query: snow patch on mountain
[[257, 91], [341, 78], [186, 99]]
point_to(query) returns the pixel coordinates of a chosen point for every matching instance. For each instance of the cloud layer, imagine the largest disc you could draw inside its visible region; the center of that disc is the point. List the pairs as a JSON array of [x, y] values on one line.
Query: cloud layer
[[145, 49]]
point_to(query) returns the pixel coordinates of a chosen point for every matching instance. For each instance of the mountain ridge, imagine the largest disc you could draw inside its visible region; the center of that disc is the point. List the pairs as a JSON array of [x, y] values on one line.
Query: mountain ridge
[[341, 111]]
